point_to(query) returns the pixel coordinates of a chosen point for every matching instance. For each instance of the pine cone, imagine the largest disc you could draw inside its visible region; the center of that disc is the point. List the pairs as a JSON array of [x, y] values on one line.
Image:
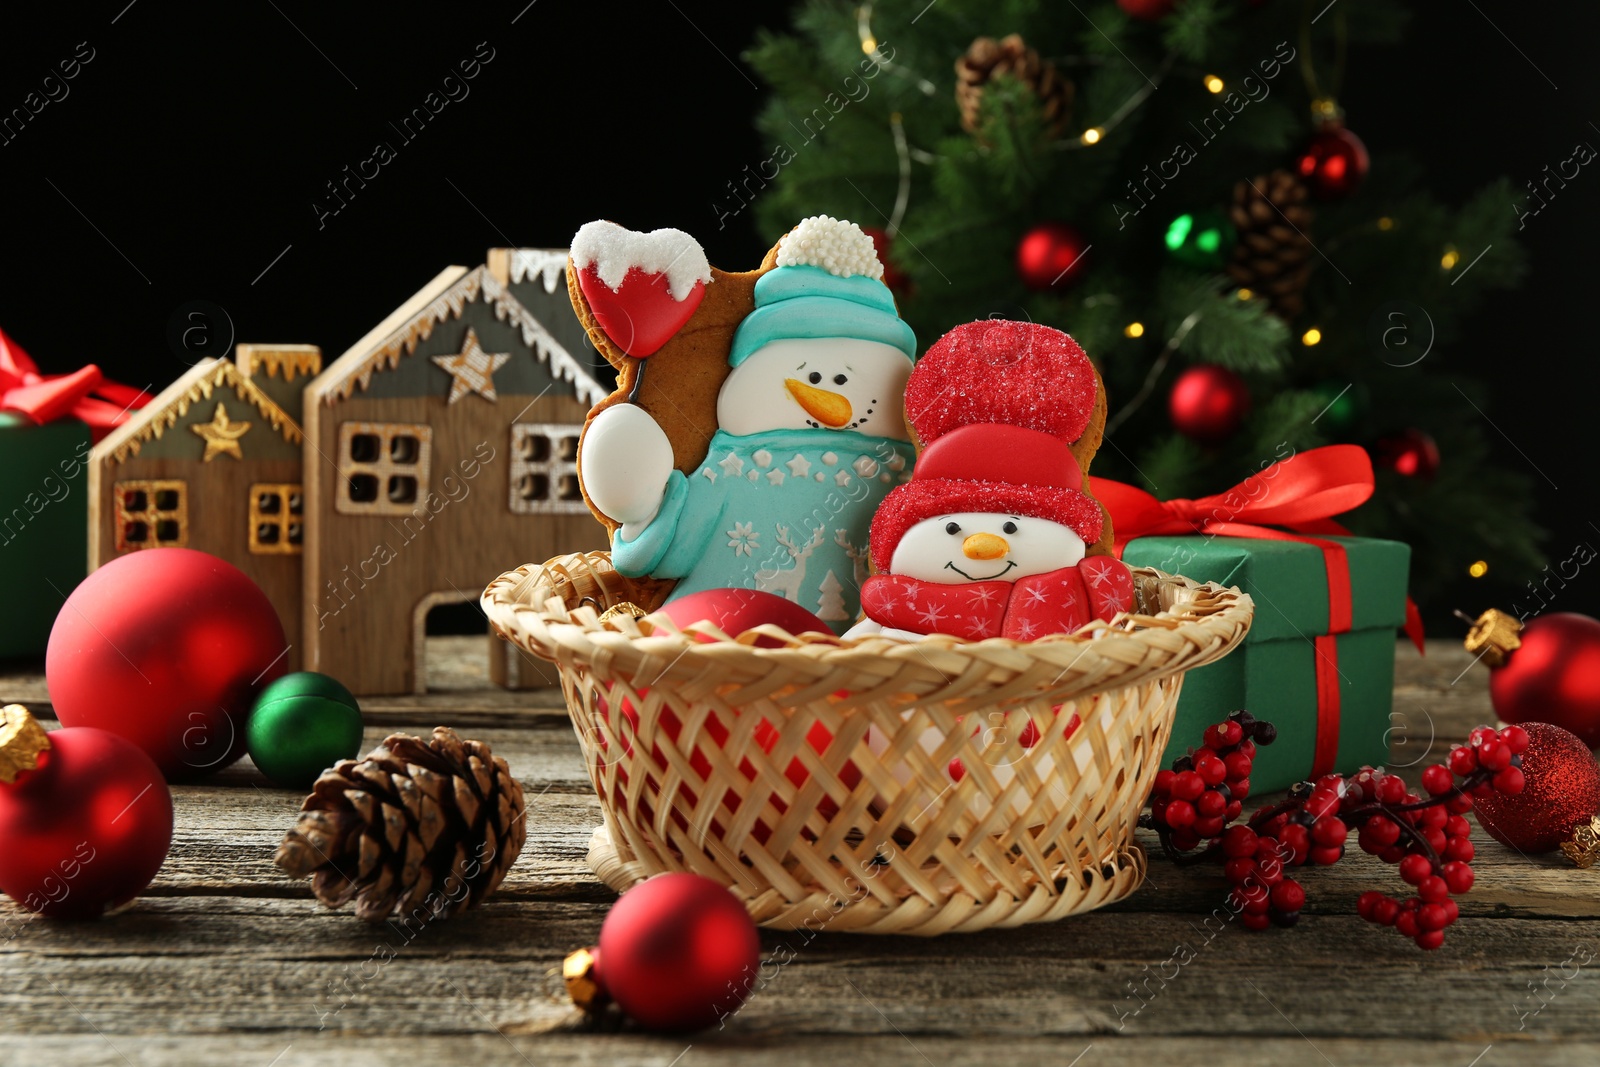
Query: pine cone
[[987, 58], [1273, 257], [419, 829]]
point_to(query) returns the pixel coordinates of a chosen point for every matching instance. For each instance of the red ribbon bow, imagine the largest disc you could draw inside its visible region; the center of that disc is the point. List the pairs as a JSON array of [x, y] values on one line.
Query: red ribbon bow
[[1286, 501], [84, 394]]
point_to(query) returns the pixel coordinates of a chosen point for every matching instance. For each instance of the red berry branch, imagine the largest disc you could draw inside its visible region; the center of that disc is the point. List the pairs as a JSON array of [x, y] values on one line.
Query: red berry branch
[[1427, 837]]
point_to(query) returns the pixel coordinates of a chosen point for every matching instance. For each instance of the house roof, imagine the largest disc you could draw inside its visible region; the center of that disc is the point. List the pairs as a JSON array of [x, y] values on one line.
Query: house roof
[[154, 419], [284, 361], [441, 299]]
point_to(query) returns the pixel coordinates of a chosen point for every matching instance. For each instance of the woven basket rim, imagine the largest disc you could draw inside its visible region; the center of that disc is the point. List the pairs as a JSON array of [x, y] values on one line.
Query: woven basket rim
[[527, 607]]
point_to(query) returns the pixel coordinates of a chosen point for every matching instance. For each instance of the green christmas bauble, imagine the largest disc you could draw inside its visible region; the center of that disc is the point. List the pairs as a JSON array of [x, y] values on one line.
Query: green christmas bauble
[[303, 724], [1343, 406], [1202, 239]]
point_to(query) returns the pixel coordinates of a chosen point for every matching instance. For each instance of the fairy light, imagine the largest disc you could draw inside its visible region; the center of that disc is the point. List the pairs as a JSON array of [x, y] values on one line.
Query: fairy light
[[1450, 258], [1213, 83], [1386, 223], [1133, 329], [1092, 135], [869, 44], [1311, 337], [1478, 569], [1244, 294]]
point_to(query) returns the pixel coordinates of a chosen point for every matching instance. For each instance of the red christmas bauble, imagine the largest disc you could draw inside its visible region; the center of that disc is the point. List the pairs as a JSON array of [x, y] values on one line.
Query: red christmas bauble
[[1409, 452], [1148, 10], [1553, 677], [678, 952], [733, 611], [893, 276], [1333, 163], [87, 829], [1051, 256], [1562, 790], [1207, 403], [167, 647]]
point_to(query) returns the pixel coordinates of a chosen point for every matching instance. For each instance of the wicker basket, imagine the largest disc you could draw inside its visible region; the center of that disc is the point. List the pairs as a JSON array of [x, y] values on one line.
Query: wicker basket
[[816, 778]]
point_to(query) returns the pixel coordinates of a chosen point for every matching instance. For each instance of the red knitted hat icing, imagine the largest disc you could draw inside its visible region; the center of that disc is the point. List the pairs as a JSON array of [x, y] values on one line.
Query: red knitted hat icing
[[996, 405]]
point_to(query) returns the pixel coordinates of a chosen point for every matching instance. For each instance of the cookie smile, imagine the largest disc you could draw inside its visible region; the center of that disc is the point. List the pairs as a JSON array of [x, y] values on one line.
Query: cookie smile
[[830, 409], [988, 578]]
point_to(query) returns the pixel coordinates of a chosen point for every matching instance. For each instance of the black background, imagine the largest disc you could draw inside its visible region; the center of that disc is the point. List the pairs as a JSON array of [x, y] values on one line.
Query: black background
[[184, 163]]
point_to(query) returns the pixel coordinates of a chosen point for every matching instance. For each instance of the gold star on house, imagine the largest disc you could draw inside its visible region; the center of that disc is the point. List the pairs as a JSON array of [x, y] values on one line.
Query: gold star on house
[[221, 434], [472, 369]]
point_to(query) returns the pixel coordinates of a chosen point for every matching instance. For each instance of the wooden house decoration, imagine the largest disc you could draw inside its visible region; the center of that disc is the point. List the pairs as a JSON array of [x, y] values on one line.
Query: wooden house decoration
[[440, 450], [213, 463], [437, 452]]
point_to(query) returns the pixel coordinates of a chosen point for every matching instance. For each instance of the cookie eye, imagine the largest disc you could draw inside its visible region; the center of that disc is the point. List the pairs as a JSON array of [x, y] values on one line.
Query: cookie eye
[[815, 377], [1010, 527], [952, 527], [839, 379]]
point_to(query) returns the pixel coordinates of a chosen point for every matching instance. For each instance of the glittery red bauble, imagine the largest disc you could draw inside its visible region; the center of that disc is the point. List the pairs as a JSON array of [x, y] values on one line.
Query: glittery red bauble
[[167, 647], [1208, 403], [1553, 677], [1333, 163], [1409, 452], [893, 276], [1148, 10], [1051, 256], [87, 829], [678, 952], [1562, 790]]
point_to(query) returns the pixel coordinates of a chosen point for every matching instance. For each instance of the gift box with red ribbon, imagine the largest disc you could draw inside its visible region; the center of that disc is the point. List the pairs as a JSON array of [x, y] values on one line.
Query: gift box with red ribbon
[[48, 424], [1319, 660]]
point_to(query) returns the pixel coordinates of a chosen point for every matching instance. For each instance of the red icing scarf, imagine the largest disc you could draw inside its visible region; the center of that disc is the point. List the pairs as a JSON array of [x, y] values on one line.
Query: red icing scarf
[[1058, 601]]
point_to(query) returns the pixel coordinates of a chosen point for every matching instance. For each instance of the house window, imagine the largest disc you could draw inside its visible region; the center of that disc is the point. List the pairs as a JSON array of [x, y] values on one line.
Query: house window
[[383, 467], [277, 519], [152, 514], [544, 469]]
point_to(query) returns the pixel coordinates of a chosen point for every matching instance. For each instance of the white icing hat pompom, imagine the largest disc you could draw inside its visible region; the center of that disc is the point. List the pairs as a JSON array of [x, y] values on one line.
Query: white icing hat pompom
[[836, 245]]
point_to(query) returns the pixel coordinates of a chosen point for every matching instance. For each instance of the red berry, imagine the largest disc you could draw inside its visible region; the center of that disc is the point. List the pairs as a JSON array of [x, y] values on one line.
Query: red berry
[[958, 772], [1458, 876], [1030, 734], [1413, 869], [1333, 783], [1188, 785], [1430, 939], [1393, 854], [1434, 816], [1460, 803], [1322, 802], [1509, 781], [1288, 895], [1438, 779], [1383, 830], [1456, 826], [1211, 805], [1435, 838], [1163, 785], [1210, 827], [1248, 748], [1239, 841], [1393, 790], [1433, 889], [1515, 738], [1212, 770], [1329, 830], [1179, 814], [1251, 896], [1459, 848], [1238, 870], [1238, 764], [1326, 855], [1386, 911], [1481, 734], [1432, 917], [1255, 920], [1451, 911], [1184, 840], [1367, 905], [1240, 788], [1463, 760], [1494, 756], [1406, 923], [1234, 808]]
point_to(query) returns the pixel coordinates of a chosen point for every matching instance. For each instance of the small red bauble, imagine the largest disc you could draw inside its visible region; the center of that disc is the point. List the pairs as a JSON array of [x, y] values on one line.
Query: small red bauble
[[678, 952], [1561, 790], [1208, 403], [167, 647], [1051, 256], [1147, 10], [87, 828], [1552, 676], [733, 611], [1409, 452], [1333, 163]]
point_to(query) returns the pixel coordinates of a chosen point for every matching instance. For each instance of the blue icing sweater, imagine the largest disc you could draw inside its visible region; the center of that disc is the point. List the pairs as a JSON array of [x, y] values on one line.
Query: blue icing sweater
[[787, 511]]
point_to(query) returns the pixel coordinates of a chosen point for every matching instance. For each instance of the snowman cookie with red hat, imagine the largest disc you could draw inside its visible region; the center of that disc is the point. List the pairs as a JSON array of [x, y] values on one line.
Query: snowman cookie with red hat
[[991, 536]]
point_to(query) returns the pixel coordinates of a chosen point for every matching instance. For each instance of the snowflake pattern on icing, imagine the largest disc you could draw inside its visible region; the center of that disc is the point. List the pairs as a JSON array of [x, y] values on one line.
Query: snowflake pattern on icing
[[710, 474], [983, 596], [743, 538], [799, 466], [931, 616], [775, 477], [732, 465], [1038, 596], [842, 479], [1025, 629], [830, 458], [762, 457]]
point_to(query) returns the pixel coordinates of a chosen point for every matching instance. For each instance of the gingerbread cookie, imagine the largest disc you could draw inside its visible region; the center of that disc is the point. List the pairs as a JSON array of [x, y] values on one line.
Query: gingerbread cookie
[[990, 537], [758, 419]]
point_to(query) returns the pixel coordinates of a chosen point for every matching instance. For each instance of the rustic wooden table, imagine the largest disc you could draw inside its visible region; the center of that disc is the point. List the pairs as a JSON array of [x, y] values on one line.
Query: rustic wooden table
[[224, 961]]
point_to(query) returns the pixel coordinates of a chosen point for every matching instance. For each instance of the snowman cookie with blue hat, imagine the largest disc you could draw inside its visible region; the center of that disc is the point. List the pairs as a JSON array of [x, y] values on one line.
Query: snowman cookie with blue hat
[[809, 433]]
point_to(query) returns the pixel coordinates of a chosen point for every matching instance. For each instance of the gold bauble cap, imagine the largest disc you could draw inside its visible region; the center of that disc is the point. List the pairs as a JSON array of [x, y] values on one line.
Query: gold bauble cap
[[21, 741], [580, 970], [1493, 637]]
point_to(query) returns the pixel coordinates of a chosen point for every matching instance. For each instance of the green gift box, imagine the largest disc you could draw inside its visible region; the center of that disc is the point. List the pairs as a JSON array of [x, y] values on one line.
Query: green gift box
[[1274, 673], [44, 526]]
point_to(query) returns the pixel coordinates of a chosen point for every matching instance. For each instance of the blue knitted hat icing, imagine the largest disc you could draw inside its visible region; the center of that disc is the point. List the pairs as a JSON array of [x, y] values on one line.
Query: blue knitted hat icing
[[806, 302]]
